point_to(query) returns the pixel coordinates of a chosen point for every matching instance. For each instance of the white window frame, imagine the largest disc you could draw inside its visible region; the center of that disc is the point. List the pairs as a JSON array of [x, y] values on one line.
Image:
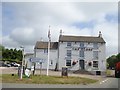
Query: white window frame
[[68, 60], [82, 53], [45, 50], [95, 45], [95, 65], [69, 53], [69, 44], [51, 62], [95, 56], [82, 44]]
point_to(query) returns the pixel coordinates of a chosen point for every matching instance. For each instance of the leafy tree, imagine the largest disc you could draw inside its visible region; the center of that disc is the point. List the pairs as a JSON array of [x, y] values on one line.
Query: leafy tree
[[1, 47], [12, 55], [112, 60]]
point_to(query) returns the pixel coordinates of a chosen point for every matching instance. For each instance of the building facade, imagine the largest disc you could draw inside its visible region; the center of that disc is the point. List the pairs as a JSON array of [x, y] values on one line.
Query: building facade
[[41, 51], [82, 53], [75, 52]]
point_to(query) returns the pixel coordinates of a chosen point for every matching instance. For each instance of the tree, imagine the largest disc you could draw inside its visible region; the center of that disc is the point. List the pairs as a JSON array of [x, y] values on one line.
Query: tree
[[118, 57], [12, 55], [1, 48], [112, 60]]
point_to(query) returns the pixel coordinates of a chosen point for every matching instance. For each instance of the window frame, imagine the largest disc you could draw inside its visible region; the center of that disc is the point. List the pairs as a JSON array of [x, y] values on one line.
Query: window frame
[[95, 56], [95, 65], [95, 45], [68, 62], [51, 62], [82, 44], [69, 53], [81, 53], [45, 50], [69, 44]]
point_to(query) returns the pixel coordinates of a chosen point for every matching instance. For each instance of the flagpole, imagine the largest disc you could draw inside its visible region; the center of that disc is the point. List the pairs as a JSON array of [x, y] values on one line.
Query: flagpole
[[48, 51]]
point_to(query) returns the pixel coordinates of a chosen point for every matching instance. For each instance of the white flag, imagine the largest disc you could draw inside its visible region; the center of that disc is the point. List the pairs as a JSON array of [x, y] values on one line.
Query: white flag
[[49, 34]]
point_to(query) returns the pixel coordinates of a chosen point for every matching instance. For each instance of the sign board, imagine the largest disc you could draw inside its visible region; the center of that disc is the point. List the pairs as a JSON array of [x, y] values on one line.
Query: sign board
[[64, 71], [32, 68], [27, 72], [84, 48], [35, 59]]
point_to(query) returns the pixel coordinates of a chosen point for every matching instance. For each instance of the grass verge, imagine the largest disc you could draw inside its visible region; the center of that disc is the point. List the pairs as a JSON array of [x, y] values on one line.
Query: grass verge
[[108, 72], [37, 79]]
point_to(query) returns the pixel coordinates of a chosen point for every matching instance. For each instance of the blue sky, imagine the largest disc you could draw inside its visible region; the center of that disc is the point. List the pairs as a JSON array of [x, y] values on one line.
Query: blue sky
[[86, 24], [25, 23]]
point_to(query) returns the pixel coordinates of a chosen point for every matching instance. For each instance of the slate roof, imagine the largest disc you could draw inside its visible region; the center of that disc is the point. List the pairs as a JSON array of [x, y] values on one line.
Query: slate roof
[[66, 38], [44, 45]]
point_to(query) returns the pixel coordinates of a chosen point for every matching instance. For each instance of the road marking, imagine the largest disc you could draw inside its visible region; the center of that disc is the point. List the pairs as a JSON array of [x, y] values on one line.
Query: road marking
[[104, 81]]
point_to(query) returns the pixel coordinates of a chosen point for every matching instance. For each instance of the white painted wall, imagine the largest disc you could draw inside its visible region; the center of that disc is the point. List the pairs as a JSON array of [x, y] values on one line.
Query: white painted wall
[[102, 59], [53, 56], [61, 56], [88, 56]]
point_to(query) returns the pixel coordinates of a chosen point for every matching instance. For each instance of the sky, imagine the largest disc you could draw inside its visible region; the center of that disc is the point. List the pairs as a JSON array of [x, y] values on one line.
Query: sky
[[25, 23]]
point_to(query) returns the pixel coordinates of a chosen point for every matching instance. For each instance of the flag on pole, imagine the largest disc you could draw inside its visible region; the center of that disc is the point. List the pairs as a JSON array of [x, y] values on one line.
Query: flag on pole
[[48, 50], [49, 34]]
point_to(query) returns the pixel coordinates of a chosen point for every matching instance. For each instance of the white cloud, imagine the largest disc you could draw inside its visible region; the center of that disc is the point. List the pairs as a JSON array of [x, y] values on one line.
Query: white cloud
[[8, 42], [0, 23], [24, 36], [110, 35], [31, 21]]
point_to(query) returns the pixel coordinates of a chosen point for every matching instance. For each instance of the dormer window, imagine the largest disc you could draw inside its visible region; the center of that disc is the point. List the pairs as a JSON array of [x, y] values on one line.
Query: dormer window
[[69, 44]]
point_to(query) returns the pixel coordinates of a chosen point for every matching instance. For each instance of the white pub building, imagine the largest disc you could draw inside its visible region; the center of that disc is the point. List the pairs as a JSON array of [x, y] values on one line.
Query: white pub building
[[74, 52]]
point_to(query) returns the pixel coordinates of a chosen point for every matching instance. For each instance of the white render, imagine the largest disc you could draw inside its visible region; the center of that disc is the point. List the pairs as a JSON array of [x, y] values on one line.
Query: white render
[[53, 58], [88, 57], [58, 56]]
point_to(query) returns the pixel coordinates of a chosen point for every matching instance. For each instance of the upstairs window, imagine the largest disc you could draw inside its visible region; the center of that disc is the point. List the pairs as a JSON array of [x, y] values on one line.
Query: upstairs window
[[45, 50], [82, 53], [68, 53], [95, 45], [95, 54], [69, 44], [81, 45]]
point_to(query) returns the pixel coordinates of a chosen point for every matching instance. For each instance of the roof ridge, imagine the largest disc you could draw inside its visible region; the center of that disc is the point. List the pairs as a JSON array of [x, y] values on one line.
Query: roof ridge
[[78, 36]]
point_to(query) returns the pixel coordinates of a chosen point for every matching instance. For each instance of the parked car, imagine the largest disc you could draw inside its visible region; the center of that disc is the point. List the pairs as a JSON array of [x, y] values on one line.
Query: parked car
[[117, 70], [16, 65], [12, 64], [7, 65]]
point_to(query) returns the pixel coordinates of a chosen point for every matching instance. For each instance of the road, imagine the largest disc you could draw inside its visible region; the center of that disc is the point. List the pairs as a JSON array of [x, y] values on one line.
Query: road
[[104, 82], [107, 83]]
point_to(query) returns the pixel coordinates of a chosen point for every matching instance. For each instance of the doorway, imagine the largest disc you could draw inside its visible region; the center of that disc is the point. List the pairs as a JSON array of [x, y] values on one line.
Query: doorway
[[82, 64]]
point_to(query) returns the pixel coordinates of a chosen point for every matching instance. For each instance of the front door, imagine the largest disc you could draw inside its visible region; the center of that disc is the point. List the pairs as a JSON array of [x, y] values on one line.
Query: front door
[[82, 64]]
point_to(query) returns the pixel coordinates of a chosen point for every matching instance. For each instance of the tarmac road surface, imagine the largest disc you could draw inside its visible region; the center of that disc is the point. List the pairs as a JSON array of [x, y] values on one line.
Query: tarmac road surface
[[107, 83], [104, 82]]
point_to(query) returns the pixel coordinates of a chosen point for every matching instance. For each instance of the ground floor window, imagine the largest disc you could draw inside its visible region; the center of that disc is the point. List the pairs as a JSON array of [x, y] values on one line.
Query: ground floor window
[[68, 62], [95, 64], [51, 62]]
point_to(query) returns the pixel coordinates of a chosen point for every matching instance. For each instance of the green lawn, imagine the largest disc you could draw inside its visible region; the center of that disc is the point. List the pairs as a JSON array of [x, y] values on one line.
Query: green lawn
[[8, 78]]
